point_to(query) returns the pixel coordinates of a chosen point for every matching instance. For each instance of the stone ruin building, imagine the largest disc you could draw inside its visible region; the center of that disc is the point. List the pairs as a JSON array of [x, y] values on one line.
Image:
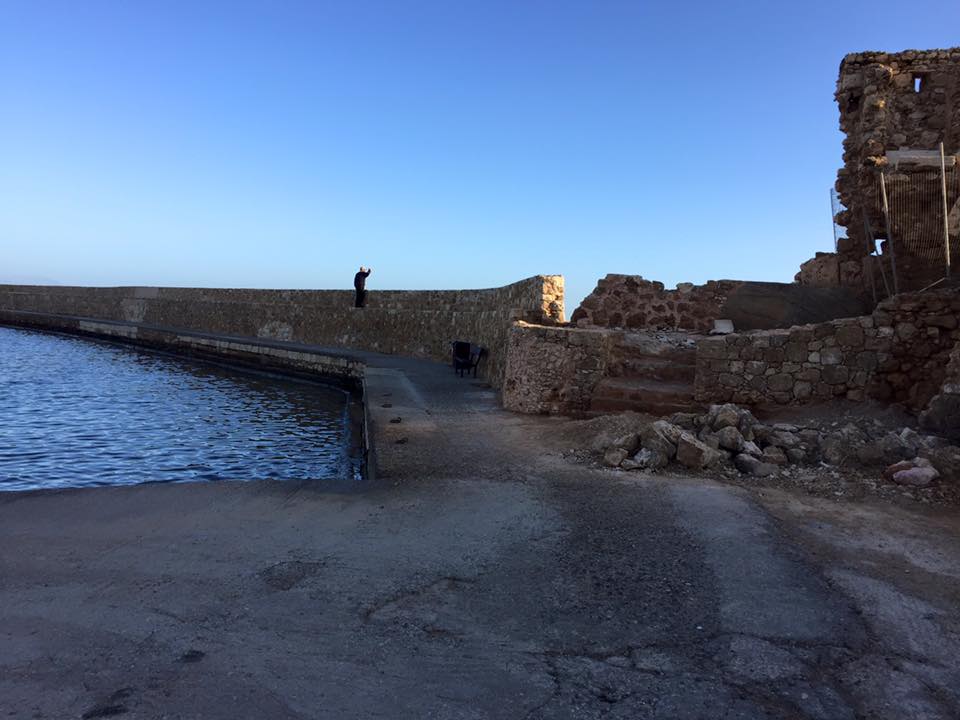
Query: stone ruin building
[[853, 326], [895, 109]]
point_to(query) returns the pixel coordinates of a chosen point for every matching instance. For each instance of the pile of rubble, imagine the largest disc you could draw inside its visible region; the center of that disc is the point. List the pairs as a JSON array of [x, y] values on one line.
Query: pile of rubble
[[728, 436]]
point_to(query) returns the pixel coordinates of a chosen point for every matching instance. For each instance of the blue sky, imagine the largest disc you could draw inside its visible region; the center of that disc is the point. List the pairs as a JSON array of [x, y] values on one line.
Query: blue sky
[[446, 144]]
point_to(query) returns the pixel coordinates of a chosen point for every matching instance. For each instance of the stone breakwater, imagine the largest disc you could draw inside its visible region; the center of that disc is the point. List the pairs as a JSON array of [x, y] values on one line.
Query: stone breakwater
[[419, 323]]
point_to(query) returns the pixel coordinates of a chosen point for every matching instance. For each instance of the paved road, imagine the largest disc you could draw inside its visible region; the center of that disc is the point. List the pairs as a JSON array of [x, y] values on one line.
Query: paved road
[[480, 577]]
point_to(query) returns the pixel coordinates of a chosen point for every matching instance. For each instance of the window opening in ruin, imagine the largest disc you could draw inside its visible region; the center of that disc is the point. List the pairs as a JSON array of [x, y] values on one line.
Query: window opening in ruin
[[917, 83]]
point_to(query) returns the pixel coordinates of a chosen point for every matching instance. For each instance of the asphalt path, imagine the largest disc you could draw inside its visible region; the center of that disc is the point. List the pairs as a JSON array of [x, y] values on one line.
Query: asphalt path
[[479, 576]]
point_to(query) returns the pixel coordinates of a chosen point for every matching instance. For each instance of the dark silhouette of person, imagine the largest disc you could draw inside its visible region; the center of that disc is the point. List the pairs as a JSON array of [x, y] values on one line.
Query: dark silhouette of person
[[360, 285]]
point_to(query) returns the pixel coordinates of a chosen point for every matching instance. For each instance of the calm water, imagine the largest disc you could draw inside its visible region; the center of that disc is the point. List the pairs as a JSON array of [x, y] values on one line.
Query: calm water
[[76, 412]]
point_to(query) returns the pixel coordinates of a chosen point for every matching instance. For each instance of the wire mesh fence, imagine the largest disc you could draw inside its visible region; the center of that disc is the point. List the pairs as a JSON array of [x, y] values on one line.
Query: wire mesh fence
[[916, 207], [911, 201]]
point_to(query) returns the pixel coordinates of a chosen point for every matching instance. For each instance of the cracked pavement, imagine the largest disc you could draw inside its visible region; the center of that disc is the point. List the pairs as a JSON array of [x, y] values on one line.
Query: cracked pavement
[[480, 576]]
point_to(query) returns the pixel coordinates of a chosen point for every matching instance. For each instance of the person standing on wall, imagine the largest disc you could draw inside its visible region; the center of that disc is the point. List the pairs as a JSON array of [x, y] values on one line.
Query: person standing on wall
[[360, 285]]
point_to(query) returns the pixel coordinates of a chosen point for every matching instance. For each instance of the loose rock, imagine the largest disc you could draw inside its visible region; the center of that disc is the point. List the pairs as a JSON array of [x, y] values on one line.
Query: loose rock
[[774, 455], [696, 455], [750, 465], [730, 439], [614, 456]]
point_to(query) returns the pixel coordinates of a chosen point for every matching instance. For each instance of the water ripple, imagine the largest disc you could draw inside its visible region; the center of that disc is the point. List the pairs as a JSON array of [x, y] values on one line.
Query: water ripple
[[77, 412]]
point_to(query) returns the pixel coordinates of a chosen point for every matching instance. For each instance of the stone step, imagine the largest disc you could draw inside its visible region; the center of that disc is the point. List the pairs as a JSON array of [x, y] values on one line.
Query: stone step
[[642, 395], [654, 370]]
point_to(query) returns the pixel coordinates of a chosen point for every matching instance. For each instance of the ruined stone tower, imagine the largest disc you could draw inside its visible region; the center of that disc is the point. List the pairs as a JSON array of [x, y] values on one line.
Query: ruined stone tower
[[896, 109]]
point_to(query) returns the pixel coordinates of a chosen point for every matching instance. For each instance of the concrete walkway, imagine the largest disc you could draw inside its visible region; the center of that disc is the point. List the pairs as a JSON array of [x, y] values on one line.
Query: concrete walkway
[[480, 576]]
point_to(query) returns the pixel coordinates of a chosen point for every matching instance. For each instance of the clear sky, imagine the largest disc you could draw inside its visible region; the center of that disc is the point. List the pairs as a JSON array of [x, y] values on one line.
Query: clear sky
[[444, 143]]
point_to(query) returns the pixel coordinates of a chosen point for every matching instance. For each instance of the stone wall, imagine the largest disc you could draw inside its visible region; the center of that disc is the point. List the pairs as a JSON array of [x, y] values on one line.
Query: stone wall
[[897, 354], [553, 370], [892, 102], [580, 371], [419, 323], [630, 301]]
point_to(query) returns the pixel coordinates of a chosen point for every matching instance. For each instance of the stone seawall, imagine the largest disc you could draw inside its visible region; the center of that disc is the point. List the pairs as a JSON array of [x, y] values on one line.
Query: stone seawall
[[897, 354], [418, 323]]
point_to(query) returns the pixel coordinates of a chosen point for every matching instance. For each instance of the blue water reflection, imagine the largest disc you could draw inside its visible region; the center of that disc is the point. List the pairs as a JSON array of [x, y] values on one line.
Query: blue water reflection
[[75, 412]]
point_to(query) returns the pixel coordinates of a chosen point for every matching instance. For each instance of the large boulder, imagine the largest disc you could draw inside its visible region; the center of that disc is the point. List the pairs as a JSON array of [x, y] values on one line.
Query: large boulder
[[661, 437], [730, 439], [730, 415], [695, 454], [840, 447], [708, 437], [721, 416]]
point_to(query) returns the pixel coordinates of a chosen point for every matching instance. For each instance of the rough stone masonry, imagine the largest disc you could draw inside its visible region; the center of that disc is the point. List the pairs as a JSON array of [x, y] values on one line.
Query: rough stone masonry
[[891, 103]]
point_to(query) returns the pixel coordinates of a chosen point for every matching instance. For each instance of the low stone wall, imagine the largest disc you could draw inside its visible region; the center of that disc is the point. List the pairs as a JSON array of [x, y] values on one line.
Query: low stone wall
[[630, 301], [897, 354], [580, 371], [552, 370], [419, 323]]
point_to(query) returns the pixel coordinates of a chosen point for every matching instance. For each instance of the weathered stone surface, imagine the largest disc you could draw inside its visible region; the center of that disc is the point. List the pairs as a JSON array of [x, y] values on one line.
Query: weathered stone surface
[[774, 455], [942, 414], [696, 455], [721, 416], [946, 460], [651, 459], [661, 437], [419, 323], [668, 430], [709, 438], [751, 448], [783, 439], [685, 421], [796, 456], [897, 354], [730, 439], [614, 456], [882, 112], [749, 465], [630, 443], [840, 447], [633, 301]]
